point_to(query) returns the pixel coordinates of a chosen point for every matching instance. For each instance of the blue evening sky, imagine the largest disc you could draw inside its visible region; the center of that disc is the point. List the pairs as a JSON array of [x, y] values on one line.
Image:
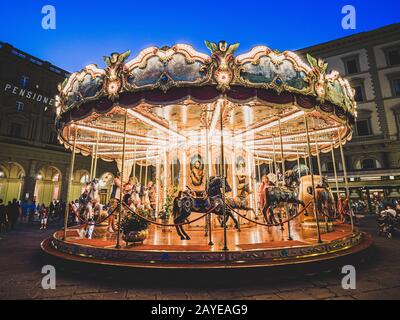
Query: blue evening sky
[[87, 30]]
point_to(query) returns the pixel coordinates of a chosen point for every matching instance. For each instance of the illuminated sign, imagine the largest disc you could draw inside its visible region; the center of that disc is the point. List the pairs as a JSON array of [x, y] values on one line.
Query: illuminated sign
[[24, 93]]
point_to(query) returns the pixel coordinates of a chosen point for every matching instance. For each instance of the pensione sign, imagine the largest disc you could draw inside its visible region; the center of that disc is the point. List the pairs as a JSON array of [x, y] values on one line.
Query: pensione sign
[[28, 94]]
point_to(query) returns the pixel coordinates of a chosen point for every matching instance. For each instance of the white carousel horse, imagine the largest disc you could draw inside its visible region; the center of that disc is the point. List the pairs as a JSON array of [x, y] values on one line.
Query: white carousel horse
[[91, 202], [94, 191], [146, 200], [134, 200]]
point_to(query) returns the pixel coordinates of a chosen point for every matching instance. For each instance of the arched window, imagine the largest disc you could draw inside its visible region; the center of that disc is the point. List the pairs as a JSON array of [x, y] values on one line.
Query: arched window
[[24, 81], [368, 164], [84, 179]]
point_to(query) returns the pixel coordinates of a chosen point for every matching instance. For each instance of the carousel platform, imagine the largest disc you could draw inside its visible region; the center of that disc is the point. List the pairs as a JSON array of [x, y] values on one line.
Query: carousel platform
[[252, 247]]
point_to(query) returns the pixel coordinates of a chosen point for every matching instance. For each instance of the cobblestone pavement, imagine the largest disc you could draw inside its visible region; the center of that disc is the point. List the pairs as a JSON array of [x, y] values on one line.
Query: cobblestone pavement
[[21, 261]]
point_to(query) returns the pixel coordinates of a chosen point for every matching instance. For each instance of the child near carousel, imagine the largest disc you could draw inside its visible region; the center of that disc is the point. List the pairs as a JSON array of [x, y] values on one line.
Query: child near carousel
[[43, 219]]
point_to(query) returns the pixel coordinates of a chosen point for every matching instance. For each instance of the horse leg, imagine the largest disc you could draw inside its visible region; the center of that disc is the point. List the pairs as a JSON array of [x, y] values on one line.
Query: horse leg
[[178, 231], [265, 210], [184, 233], [230, 214], [180, 219]]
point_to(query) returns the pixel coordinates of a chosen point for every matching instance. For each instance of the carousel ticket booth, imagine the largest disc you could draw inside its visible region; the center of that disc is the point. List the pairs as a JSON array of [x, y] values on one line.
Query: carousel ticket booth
[[217, 131]]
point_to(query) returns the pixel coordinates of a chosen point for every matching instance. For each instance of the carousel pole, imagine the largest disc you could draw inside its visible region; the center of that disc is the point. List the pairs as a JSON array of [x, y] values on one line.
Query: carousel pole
[[122, 180], [274, 158], [96, 157], [134, 164], [140, 173], [317, 151], [165, 178], [320, 172], [270, 166], [335, 174], [92, 163], [71, 176], [283, 172], [345, 179], [157, 186], [223, 176], [146, 171], [298, 164], [257, 189], [209, 217], [312, 180]]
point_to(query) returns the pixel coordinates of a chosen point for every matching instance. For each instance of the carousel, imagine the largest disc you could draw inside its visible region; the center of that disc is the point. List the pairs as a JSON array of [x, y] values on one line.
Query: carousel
[[218, 157]]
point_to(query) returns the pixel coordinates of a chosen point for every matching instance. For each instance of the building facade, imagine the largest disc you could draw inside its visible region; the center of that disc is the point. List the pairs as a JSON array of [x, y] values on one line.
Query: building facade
[[33, 165], [371, 62]]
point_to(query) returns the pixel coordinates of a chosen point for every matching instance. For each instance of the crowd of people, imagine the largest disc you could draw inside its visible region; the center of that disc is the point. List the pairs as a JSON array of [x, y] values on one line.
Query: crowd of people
[[29, 212]]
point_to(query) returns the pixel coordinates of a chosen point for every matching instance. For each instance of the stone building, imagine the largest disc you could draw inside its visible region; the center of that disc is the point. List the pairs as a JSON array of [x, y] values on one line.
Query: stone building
[[33, 165], [371, 62]]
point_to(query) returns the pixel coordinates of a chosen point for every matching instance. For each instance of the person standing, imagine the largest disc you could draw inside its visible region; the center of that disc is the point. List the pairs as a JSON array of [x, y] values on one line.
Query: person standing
[[13, 211], [115, 190], [3, 215], [43, 218], [261, 191]]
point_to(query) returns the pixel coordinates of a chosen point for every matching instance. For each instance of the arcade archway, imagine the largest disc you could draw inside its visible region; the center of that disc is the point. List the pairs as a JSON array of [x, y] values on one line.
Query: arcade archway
[[48, 185], [11, 181]]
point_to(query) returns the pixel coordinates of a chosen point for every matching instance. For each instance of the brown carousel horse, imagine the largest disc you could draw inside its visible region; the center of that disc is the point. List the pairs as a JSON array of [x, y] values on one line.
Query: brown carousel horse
[[277, 196], [241, 201], [323, 194]]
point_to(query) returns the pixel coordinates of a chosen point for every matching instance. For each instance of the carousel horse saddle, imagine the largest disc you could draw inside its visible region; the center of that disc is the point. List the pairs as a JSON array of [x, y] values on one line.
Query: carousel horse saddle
[[280, 193], [199, 195], [190, 202]]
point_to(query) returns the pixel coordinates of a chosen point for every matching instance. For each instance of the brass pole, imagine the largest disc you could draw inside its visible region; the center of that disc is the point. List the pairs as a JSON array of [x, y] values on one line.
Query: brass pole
[[320, 173], [274, 159], [70, 178], [92, 163], [96, 157], [209, 217], [223, 176], [157, 186], [134, 164], [345, 180], [283, 173], [146, 171], [140, 173], [312, 180], [298, 164], [318, 156], [122, 180], [336, 177]]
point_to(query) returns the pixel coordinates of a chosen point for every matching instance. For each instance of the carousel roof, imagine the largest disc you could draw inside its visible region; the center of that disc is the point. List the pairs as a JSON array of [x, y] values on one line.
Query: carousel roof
[[171, 94]]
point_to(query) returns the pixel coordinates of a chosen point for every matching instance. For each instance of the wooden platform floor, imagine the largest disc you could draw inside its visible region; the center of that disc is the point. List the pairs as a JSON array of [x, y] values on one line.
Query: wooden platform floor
[[249, 238]]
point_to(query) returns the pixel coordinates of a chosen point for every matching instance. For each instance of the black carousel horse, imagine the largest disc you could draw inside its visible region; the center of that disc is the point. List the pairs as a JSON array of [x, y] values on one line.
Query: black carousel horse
[[187, 202], [275, 196]]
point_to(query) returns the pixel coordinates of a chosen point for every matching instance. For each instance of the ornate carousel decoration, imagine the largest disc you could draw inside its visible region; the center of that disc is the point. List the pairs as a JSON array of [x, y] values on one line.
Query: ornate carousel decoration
[[209, 143]]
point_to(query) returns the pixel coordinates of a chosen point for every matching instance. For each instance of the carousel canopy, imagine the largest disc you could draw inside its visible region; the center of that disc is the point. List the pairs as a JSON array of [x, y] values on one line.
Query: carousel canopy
[[176, 97]]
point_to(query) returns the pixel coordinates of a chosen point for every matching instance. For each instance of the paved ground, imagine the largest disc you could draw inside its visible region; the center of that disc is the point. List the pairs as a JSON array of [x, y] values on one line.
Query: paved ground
[[21, 262]]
